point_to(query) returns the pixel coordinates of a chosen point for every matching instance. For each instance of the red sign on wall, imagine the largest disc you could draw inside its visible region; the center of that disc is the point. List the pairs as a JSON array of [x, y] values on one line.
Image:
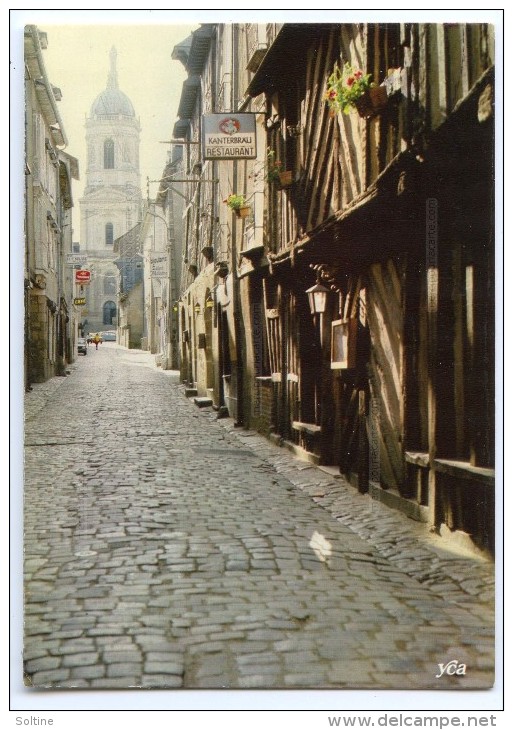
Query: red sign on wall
[[82, 276]]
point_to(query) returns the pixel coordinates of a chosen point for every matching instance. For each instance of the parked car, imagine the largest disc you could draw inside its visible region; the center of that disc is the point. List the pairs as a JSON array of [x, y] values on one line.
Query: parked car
[[82, 346], [109, 336]]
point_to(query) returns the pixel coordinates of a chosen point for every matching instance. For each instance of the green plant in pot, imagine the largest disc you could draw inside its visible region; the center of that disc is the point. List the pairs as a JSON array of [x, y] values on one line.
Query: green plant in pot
[[238, 204], [235, 202], [276, 172], [349, 89]]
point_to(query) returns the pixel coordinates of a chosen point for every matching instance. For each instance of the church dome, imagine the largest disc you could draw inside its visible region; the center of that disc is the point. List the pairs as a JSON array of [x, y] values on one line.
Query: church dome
[[112, 101]]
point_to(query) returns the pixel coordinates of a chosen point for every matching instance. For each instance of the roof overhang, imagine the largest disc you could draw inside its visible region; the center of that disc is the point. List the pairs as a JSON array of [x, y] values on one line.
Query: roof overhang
[[281, 60], [164, 184], [35, 41], [128, 239], [73, 164], [181, 51], [181, 128], [200, 47], [189, 96]]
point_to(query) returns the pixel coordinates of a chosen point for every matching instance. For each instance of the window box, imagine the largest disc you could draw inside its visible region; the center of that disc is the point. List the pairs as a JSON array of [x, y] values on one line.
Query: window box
[[255, 252]]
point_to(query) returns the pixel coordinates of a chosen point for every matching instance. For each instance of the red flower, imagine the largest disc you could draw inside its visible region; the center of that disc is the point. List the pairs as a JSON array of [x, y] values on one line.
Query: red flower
[[358, 74], [350, 81], [332, 94]]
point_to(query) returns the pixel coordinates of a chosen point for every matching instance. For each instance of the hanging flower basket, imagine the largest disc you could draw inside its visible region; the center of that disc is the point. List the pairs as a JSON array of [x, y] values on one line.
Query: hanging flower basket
[[276, 173], [372, 102], [286, 178], [238, 204], [349, 89], [243, 212]]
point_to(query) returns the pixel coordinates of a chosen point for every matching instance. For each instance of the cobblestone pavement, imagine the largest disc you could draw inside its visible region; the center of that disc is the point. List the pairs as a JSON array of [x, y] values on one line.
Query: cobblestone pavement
[[165, 548]]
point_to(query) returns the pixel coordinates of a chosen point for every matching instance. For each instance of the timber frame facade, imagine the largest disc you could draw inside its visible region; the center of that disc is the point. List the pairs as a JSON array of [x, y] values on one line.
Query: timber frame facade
[[393, 385]]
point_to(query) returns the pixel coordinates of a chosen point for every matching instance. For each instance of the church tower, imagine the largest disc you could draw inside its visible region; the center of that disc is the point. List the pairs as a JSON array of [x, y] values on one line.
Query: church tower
[[111, 204]]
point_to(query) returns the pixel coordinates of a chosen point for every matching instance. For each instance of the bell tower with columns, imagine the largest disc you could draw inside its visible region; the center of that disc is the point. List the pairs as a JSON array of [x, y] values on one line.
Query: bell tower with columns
[[111, 204]]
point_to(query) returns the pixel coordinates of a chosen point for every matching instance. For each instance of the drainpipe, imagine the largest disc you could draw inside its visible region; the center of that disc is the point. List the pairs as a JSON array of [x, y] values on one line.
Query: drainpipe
[[59, 209], [237, 306]]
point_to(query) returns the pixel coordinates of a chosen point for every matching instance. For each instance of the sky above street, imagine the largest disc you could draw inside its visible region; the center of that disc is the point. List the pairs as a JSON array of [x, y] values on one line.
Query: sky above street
[[77, 61]]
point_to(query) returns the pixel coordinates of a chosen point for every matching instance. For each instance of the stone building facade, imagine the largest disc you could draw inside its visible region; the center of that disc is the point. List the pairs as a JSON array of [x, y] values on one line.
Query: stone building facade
[[50, 315], [162, 247], [131, 288]]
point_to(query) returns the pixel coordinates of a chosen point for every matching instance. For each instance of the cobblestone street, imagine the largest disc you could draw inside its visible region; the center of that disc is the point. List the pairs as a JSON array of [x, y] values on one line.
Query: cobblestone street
[[165, 548]]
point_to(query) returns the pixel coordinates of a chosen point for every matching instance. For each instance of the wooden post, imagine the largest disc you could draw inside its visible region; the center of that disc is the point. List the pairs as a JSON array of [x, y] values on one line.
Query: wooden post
[[363, 444], [442, 70], [432, 317]]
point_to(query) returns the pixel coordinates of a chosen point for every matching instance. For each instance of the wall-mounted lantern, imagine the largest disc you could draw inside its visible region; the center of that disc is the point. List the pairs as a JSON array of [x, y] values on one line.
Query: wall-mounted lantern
[[197, 308], [209, 303], [317, 297], [175, 307]]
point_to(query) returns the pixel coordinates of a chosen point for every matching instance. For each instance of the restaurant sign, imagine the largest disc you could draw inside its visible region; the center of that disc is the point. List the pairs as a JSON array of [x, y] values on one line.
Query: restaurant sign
[[158, 263], [82, 276], [229, 136]]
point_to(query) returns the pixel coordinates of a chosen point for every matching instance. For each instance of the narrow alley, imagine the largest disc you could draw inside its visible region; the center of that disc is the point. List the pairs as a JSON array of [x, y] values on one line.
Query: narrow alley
[[165, 548]]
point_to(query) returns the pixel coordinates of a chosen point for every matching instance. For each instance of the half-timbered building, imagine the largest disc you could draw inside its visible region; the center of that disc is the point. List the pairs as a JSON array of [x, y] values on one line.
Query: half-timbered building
[[387, 213], [390, 209]]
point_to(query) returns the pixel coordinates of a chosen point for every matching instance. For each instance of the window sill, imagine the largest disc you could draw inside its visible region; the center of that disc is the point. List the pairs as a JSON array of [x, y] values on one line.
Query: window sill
[[419, 458], [312, 428], [465, 470]]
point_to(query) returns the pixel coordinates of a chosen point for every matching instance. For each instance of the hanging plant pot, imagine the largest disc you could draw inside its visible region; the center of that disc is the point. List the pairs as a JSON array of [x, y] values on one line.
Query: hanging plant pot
[[286, 179], [372, 101], [243, 212]]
